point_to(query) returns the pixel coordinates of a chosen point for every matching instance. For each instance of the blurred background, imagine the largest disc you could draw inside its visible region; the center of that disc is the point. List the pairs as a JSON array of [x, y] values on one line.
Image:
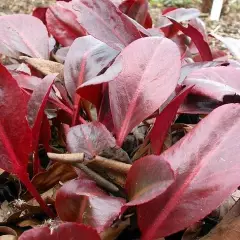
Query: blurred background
[[228, 25]]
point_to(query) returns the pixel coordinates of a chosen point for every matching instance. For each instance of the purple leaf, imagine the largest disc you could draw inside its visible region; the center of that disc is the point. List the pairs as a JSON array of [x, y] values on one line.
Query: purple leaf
[[148, 178], [164, 119], [86, 58], [206, 163], [88, 204], [62, 23], [90, 138], [143, 85], [61, 231], [23, 34], [215, 82], [113, 27]]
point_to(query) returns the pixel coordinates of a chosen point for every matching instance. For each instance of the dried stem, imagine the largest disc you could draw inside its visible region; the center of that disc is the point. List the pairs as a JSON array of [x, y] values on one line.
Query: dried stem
[[67, 157], [106, 163], [97, 178], [110, 164]]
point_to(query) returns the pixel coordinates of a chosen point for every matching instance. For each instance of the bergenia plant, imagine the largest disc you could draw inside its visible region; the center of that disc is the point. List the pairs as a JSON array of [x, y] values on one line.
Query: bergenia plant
[[146, 113]]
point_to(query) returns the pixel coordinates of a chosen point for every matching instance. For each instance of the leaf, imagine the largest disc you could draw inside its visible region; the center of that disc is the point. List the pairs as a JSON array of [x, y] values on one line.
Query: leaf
[[206, 164], [62, 23], [164, 119], [135, 9], [40, 13], [178, 14], [91, 139], [36, 106], [143, 85], [197, 38], [86, 58], [190, 67], [88, 204], [114, 28], [15, 137], [92, 89], [232, 44], [23, 34], [148, 178], [62, 231], [215, 82]]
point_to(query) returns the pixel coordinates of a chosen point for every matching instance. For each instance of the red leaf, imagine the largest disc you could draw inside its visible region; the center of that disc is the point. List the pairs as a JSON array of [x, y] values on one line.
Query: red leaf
[[92, 89], [15, 135], [148, 178], [206, 163], [135, 9], [86, 58], [117, 33], [197, 38], [23, 34], [144, 84], [62, 231], [45, 134], [40, 13], [35, 113], [62, 23], [164, 119], [88, 204], [90, 138], [13, 103], [215, 82]]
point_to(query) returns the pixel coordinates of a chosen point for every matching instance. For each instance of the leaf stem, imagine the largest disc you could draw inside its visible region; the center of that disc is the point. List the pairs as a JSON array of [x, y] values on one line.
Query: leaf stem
[[25, 180]]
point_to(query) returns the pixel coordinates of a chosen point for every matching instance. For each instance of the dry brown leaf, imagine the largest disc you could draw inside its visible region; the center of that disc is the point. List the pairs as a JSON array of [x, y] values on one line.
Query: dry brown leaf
[[8, 231], [228, 228], [8, 237], [29, 223], [56, 173], [45, 66]]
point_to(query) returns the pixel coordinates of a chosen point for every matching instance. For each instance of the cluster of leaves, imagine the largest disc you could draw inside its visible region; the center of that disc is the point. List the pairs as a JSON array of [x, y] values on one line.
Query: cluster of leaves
[[94, 71]]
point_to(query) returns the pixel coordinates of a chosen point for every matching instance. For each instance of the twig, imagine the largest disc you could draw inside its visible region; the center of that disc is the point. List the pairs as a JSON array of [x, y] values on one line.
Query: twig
[[110, 164], [106, 163], [97, 178], [67, 157]]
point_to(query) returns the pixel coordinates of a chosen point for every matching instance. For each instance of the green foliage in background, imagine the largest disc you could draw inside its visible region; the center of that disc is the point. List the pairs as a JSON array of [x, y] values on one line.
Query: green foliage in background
[[177, 3]]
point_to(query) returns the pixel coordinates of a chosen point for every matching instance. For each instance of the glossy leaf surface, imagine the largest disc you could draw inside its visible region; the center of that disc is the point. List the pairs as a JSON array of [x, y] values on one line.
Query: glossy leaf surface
[[23, 34], [143, 85], [88, 204], [206, 164], [148, 178], [113, 27]]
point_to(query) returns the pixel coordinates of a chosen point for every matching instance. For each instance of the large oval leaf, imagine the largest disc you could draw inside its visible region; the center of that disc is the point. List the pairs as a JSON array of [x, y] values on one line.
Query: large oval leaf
[[61, 231], [90, 138], [88, 204], [104, 21], [62, 23], [148, 178], [148, 78], [206, 163], [23, 34]]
